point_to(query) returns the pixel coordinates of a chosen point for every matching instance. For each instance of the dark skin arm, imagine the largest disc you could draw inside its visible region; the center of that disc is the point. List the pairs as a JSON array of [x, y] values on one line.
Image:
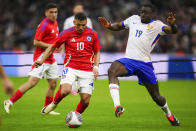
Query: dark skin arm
[[111, 26], [172, 28]]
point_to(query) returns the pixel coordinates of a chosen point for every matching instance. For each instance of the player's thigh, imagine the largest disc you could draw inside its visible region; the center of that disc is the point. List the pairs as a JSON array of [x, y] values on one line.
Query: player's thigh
[[38, 72], [68, 76], [65, 88], [52, 71], [86, 85], [117, 69]]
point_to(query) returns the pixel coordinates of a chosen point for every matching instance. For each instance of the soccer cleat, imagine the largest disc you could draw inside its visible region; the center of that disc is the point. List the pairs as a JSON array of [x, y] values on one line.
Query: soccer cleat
[[54, 113], [119, 110], [7, 106], [173, 120], [47, 109]]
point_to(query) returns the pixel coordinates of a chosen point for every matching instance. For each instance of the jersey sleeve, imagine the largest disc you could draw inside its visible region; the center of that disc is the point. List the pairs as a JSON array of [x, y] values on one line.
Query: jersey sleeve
[[41, 31], [126, 23], [161, 25], [62, 38], [96, 45]]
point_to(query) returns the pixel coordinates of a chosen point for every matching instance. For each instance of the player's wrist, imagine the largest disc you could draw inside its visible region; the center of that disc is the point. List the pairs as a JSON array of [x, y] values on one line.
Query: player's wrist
[[96, 67]]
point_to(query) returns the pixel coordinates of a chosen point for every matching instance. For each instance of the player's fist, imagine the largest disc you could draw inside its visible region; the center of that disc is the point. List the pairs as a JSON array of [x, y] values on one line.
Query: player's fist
[[8, 86], [95, 72], [171, 18], [37, 64], [105, 23]]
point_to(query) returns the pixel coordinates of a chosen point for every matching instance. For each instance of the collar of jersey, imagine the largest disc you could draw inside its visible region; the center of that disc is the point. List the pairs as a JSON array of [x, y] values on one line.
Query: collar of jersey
[[150, 21]]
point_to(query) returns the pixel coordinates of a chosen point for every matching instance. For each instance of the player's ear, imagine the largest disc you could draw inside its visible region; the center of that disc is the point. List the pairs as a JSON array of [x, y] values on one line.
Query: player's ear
[[74, 22], [46, 13]]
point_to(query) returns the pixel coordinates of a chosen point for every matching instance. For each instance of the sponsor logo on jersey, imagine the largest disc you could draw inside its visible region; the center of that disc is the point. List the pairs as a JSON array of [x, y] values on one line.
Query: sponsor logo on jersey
[[73, 40], [149, 27], [89, 38]]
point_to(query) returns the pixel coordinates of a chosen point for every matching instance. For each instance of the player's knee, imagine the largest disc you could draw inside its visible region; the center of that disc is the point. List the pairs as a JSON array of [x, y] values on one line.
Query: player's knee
[[32, 83], [65, 91], [53, 85], [111, 72]]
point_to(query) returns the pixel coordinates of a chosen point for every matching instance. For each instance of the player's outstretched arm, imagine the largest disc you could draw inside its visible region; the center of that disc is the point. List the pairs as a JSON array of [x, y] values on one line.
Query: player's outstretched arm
[[47, 53], [172, 28], [111, 26], [40, 44], [96, 64]]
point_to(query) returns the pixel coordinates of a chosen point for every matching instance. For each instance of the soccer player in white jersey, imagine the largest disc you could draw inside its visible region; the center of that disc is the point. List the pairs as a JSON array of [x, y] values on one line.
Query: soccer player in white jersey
[[78, 8], [144, 33]]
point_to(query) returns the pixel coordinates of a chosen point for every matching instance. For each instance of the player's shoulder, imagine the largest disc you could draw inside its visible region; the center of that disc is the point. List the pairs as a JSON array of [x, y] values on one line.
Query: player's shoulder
[[69, 18], [134, 17], [44, 24], [66, 31], [91, 30], [158, 22]]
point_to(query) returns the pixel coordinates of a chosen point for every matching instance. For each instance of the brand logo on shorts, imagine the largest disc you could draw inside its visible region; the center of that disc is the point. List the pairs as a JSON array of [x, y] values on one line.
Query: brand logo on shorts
[[91, 84], [89, 38]]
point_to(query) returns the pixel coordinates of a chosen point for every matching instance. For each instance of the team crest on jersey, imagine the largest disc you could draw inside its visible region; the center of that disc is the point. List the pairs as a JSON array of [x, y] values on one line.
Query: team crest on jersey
[[89, 38], [149, 27]]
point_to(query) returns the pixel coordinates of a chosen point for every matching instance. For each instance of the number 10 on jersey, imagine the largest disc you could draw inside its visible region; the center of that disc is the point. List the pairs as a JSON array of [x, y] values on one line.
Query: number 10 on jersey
[[80, 45]]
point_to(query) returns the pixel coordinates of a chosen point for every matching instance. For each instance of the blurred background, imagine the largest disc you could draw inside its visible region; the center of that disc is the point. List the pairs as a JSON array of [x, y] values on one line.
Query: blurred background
[[19, 19]]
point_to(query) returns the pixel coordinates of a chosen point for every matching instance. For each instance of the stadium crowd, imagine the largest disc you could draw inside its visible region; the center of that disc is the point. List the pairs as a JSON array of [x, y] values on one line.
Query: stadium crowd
[[19, 19]]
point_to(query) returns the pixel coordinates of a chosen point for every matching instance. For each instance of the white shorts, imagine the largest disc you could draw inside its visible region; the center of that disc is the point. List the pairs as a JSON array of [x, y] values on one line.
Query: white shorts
[[85, 79], [48, 71]]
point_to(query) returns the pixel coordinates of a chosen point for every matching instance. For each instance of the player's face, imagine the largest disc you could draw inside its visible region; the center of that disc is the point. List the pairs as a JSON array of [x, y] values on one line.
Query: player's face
[[80, 25], [52, 14], [78, 9], [146, 14]]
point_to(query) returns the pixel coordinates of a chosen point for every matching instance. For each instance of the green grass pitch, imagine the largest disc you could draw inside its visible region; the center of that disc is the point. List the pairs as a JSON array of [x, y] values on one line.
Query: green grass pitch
[[141, 113]]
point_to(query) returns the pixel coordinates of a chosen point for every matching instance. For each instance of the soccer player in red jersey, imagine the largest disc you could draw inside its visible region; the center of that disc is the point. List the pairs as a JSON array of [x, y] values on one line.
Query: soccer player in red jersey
[[81, 62], [46, 35]]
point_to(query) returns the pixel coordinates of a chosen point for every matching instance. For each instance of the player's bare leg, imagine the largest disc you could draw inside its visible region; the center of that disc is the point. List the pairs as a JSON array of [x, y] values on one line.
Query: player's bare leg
[[161, 101], [116, 69], [64, 90], [83, 104], [19, 93]]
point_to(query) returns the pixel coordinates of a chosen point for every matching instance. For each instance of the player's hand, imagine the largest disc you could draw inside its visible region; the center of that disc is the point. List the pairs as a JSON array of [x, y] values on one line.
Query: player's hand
[[8, 86], [171, 18], [37, 64], [105, 23], [96, 73]]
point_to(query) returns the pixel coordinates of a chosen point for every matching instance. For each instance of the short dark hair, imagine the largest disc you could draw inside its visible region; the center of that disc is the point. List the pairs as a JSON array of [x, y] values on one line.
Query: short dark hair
[[50, 5], [151, 6], [80, 16]]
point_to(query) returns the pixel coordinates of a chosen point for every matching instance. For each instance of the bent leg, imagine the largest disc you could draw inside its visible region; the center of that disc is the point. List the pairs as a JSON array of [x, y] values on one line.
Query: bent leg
[[63, 91], [83, 104]]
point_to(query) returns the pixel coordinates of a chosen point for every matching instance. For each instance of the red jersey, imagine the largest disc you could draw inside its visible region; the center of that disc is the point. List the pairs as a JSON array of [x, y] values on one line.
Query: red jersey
[[47, 32], [79, 48]]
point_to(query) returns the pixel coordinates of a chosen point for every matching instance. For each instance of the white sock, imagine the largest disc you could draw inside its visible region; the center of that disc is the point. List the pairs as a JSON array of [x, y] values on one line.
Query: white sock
[[114, 91], [166, 109]]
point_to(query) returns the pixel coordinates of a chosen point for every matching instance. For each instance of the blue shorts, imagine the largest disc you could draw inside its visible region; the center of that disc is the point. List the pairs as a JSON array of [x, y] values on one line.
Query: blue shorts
[[144, 71]]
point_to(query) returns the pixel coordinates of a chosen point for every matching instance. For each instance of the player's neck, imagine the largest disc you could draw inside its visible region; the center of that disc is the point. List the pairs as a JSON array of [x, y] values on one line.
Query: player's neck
[[149, 21]]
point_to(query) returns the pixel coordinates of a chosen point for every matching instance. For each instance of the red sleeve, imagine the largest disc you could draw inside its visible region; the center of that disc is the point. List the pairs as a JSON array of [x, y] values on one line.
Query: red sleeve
[[40, 32], [62, 39], [96, 45]]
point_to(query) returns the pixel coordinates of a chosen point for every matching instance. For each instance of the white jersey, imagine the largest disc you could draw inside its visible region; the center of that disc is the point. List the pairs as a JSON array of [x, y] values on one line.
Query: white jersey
[[69, 22], [142, 37]]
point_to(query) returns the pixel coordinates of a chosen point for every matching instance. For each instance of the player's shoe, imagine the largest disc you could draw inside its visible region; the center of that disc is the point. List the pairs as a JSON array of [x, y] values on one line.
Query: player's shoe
[[54, 113], [7, 105], [173, 120], [119, 110], [47, 109]]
